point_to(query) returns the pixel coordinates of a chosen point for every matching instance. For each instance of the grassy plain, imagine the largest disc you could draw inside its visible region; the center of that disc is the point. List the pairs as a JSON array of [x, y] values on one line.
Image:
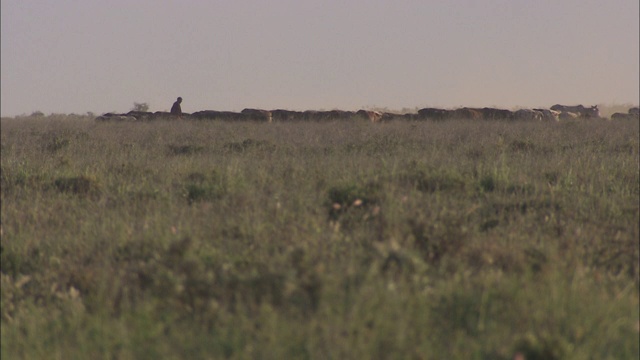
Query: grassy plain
[[341, 240]]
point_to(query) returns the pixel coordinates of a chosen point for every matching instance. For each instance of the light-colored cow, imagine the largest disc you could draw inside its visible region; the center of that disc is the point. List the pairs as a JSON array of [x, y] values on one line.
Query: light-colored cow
[[115, 117], [528, 114], [567, 115], [373, 116], [549, 115], [467, 113]]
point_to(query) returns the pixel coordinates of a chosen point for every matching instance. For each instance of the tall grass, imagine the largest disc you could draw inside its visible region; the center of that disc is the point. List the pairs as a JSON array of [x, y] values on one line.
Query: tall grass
[[341, 240]]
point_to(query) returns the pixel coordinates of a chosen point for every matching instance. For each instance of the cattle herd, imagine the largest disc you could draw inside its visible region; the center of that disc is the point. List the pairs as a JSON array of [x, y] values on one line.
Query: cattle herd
[[554, 113]]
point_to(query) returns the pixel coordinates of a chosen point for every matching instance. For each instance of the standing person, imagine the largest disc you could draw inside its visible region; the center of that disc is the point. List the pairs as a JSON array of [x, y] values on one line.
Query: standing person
[[176, 109]]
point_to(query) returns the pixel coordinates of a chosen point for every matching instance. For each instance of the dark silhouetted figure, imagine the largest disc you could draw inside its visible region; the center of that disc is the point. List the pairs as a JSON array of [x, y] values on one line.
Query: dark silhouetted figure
[[176, 109]]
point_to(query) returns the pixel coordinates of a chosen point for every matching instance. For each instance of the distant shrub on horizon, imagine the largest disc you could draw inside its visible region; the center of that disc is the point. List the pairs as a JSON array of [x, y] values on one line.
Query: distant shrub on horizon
[[144, 107]]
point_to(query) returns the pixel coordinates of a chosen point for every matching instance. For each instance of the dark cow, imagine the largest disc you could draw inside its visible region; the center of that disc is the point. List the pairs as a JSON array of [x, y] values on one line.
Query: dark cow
[[217, 115], [115, 117], [162, 114], [623, 116], [634, 111], [496, 114], [387, 116], [257, 115], [582, 111], [467, 113], [140, 115], [339, 115], [434, 114], [285, 115], [312, 115]]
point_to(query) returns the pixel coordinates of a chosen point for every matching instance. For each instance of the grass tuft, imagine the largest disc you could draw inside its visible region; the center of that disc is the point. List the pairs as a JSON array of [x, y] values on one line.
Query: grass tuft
[[78, 185]]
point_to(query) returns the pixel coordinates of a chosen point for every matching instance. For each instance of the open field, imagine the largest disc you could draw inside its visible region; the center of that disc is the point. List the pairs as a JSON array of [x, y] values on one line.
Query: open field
[[336, 240]]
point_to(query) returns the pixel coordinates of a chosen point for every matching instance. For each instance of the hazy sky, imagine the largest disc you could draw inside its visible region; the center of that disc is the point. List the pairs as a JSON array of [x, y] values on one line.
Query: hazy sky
[[64, 56]]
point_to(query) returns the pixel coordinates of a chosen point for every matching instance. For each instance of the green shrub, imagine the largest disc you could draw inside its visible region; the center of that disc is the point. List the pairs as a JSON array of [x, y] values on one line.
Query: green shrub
[[200, 187], [57, 143], [78, 185], [249, 144], [432, 181], [357, 202], [184, 149]]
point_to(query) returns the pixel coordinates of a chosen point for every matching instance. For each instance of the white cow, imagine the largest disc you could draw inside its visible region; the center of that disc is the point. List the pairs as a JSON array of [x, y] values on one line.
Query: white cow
[[528, 114], [568, 115], [549, 115]]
